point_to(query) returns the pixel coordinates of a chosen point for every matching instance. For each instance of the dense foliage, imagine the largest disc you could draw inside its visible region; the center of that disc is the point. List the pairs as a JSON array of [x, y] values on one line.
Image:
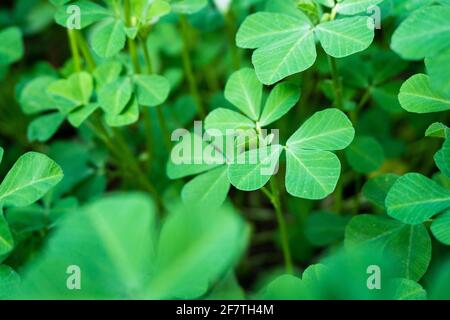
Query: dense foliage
[[226, 149]]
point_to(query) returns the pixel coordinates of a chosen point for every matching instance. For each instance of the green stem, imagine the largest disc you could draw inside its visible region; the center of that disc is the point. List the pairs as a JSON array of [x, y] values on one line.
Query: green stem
[[337, 84], [74, 49], [187, 64], [85, 51], [231, 32], [132, 48], [364, 99], [274, 198], [147, 58]]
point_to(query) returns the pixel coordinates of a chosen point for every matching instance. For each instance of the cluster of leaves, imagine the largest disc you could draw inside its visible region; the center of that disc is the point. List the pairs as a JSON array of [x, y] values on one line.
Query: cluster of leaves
[[358, 115]]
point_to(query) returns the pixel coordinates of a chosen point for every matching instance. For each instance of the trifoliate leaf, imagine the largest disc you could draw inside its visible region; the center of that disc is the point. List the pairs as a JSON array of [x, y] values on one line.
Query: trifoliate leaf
[[414, 199], [31, 177]]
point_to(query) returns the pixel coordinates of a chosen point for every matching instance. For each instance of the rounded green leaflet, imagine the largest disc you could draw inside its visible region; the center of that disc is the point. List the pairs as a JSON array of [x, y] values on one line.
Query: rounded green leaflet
[[423, 33], [89, 13], [375, 190], [72, 92], [208, 190], [440, 228], [129, 115], [107, 72], [114, 96], [31, 177], [365, 155], [344, 37], [252, 169], [11, 46], [79, 115], [34, 97], [244, 91], [152, 90], [224, 119], [281, 99], [329, 129], [416, 95], [44, 127], [109, 38], [438, 129], [409, 245], [311, 174], [439, 72], [414, 198], [9, 282]]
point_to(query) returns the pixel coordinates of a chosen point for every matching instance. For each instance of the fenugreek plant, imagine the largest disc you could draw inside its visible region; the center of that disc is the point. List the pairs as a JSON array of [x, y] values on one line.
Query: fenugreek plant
[[195, 149]]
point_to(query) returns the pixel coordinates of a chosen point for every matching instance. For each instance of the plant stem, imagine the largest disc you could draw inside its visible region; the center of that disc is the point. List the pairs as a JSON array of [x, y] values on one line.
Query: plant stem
[[74, 49], [274, 198], [337, 84], [148, 60], [187, 64], [364, 99], [231, 32], [132, 49], [90, 62]]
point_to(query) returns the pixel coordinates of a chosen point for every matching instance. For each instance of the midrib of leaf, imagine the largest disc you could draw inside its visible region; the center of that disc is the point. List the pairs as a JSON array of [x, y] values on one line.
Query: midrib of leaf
[[303, 140], [274, 110], [433, 98], [420, 202], [307, 170], [343, 35], [411, 231], [26, 186], [248, 99], [257, 166], [109, 43], [211, 187]]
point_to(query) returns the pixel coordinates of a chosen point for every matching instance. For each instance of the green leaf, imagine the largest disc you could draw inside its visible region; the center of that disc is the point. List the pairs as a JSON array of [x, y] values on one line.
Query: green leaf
[[329, 129], [90, 12], [107, 72], [151, 90], [188, 6], [344, 37], [376, 189], [1, 154], [9, 282], [119, 230], [128, 116], [424, 33], [285, 44], [44, 127], [324, 228], [439, 72], [109, 38], [72, 92], [31, 177], [11, 46], [114, 96], [78, 116], [438, 129], [281, 99], [208, 190], [195, 249], [362, 161], [416, 95], [6, 238], [351, 7], [311, 174], [34, 97], [225, 119], [254, 168], [441, 228], [244, 91], [414, 199], [158, 9], [442, 158], [409, 245], [188, 157]]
